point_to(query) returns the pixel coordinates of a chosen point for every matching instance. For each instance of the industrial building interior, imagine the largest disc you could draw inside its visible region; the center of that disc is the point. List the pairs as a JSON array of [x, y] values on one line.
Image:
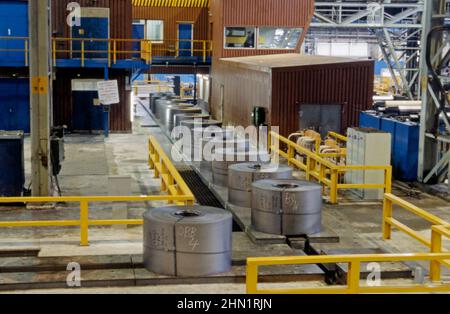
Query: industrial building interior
[[224, 147]]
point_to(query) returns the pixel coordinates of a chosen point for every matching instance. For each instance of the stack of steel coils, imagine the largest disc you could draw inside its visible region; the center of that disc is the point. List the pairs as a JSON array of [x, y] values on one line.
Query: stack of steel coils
[[286, 207], [224, 158], [242, 176], [187, 241], [171, 111]]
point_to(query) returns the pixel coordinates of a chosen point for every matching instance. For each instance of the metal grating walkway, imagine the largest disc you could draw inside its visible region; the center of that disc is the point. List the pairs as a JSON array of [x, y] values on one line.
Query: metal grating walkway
[[201, 191]]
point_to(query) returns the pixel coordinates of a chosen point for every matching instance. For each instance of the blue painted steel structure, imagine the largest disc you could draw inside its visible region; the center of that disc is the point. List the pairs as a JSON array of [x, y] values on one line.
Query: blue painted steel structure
[[389, 125], [185, 37], [405, 143], [13, 23], [12, 169], [406, 150], [15, 104], [91, 27], [369, 120]]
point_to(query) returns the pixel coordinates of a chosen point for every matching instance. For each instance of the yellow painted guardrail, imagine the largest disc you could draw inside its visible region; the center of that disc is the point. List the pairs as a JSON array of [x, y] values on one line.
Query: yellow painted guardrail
[[171, 182], [325, 172], [440, 229], [338, 137], [354, 273], [115, 49]]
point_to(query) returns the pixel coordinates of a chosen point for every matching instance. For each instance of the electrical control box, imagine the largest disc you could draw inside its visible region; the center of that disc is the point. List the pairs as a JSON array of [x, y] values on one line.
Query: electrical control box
[[368, 147]]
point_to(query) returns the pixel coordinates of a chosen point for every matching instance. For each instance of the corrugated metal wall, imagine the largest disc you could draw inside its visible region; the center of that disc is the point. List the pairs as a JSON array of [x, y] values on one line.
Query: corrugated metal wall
[[62, 97], [171, 16], [280, 13], [243, 89], [349, 84], [285, 89], [120, 19]]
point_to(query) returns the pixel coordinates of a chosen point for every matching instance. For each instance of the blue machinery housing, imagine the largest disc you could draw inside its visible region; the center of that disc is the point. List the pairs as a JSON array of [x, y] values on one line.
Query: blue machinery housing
[[405, 143]]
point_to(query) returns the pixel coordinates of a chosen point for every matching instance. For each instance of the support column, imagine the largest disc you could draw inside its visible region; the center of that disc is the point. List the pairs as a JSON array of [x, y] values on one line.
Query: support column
[[40, 95], [428, 147]]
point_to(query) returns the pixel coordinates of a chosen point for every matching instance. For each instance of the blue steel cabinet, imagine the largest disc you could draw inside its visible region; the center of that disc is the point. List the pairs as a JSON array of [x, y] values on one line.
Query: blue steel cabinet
[[389, 125], [86, 116], [12, 170], [369, 120], [138, 33], [406, 151], [91, 28], [15, 104], [13, 23]]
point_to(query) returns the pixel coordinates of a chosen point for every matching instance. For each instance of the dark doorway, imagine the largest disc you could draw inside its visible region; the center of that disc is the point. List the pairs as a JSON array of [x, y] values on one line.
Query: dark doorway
[[321, 118]]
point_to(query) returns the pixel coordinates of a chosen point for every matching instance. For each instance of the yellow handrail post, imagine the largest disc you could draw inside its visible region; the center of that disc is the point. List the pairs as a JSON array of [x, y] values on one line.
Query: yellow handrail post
[[334, 186], [177, 49], [82, 53], [114, 52], [387, 215], [436, 247], [150, 49], [353, 276], [291, 155], [252, 278], [54, 52], [84, 223], [109, 54], [26, 52], [204, 51], [308, 168], [388, 180], [163, 173]]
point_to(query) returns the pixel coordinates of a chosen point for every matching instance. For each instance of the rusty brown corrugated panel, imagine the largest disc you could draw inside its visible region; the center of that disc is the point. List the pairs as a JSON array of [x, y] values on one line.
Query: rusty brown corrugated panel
[[62, 97], [120, 20], [349, 84], [277, 13], [171, 17]]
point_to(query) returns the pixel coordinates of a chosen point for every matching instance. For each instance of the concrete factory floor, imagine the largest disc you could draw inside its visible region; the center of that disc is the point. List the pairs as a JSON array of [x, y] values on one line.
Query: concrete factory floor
[[91, 160]]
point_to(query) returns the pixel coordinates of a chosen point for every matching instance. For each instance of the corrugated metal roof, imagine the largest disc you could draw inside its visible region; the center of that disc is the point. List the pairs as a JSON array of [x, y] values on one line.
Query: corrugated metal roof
[[267, 62], [172, 3]]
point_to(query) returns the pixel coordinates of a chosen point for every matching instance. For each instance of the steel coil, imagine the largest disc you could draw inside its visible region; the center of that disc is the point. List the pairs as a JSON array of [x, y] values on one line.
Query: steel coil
[[187, 241], [286, 207], [242, 176], [172, 110], [224, 158]]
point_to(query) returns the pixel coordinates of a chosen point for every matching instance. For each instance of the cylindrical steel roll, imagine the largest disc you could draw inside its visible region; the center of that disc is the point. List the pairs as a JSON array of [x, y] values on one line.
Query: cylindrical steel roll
[[187, 241], [170, 111], [287, 207], [162, 103], [242, 176], [200, 124], [224, 158], [183, 117]]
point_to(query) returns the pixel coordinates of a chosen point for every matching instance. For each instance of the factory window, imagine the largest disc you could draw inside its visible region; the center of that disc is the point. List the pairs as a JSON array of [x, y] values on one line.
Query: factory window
[[155, 30], [278, 38], [240, 37]]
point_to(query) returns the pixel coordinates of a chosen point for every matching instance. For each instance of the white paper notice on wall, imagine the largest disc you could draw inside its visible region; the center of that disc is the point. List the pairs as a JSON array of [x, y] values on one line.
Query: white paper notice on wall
[[108, 92]]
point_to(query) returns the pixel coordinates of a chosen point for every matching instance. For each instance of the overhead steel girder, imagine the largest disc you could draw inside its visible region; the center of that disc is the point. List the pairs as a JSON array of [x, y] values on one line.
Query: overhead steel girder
[[358, 19]]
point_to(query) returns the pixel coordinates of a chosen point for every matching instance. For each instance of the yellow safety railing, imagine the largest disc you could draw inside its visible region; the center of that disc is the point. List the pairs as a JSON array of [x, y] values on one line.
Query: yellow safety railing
[[171, 180], [325, 172], [114, 49], [178, 192], [439, 229], [354, 279], [338, 137]]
